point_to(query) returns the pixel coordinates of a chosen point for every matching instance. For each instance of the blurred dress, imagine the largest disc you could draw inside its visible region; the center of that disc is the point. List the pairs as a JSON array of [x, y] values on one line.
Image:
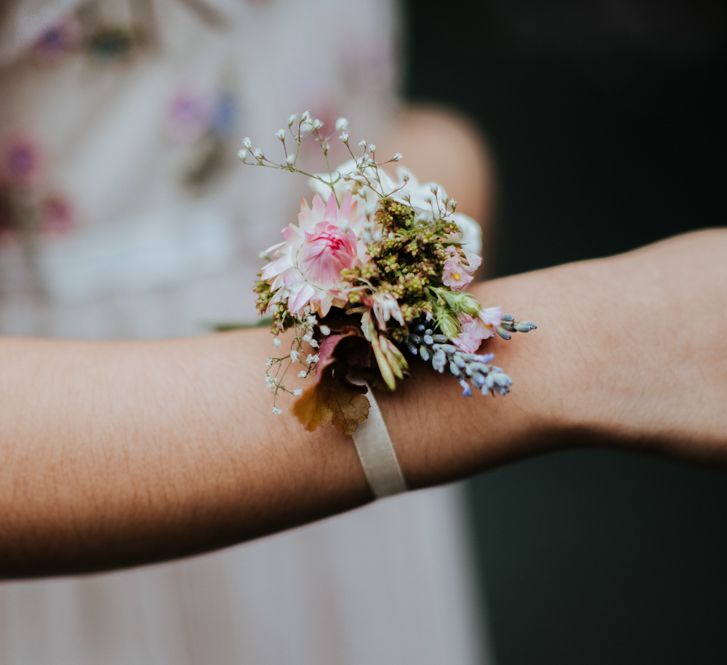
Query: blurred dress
[[124, 213]]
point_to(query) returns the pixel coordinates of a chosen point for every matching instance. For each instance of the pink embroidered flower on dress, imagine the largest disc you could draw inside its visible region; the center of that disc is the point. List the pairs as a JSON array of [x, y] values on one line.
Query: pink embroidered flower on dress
[[458, 274], [57, 214], [188, 115], [474, 330], [306, 266], [57, 39], [21, 160]]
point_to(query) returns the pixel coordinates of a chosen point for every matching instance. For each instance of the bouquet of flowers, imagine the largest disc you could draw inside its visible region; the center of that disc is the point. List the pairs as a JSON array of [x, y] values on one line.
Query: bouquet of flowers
[[375, 270]]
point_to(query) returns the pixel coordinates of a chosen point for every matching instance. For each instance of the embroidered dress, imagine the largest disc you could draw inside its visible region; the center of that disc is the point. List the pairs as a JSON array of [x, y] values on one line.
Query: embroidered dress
[[123, 213]]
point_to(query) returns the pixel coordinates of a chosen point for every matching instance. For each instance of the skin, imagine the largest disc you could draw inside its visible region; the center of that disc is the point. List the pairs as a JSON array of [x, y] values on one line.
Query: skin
[[115, 454]]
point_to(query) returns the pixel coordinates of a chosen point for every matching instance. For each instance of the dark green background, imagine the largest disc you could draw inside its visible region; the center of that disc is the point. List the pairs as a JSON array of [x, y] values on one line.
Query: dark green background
[[607, 124]]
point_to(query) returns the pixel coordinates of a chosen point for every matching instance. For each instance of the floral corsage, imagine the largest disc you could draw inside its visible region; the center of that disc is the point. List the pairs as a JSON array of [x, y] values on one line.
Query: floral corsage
[[374, 271]]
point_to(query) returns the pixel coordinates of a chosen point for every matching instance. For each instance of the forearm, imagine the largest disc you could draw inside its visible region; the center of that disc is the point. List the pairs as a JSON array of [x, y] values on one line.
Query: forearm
[[121, 453], [116, 454]]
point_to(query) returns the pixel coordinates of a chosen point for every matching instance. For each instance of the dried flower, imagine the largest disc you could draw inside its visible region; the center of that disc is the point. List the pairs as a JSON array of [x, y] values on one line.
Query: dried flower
[[306, 267]]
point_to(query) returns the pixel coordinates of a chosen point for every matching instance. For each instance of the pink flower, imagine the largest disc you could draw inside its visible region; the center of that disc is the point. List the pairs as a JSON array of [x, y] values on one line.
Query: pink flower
[[305, 270], [458, 274], [326, 252], [474, 330], [492, 318]]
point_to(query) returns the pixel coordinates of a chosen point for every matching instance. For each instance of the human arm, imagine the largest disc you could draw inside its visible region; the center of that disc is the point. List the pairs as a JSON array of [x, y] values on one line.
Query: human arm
[[116, 454]]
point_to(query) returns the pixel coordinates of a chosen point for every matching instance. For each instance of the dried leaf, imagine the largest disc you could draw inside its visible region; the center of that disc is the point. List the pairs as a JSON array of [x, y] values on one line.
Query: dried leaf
[[332, 400]]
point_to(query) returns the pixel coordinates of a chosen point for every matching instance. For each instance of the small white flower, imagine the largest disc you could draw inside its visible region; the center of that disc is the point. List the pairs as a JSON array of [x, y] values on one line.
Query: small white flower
[[302, 374], [270, 382], [243, 154], [269, 362], [298, 392], [343, 136], [290, 160], [311, 358], [397, 157], [325, 330], [362, 144], [294, 356], [307, 337], [292, 119], [341, 124], [277, 411], [247, 143], [313, 343], [280, 134], [305, 116], [276, 342], [387, 307], [257, 153], [371, 147], [316, 124]]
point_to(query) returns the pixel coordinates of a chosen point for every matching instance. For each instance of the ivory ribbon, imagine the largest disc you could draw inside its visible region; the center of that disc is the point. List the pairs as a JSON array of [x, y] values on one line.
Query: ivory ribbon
[[377, 454]]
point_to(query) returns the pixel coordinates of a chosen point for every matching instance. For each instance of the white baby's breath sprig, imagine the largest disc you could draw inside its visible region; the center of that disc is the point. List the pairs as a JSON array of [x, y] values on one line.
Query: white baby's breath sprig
[[302, 351], [299, 126]]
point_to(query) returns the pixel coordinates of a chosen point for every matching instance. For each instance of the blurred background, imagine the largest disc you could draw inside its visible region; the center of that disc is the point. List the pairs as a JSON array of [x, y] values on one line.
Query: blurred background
[[606, 120], [605, 125]]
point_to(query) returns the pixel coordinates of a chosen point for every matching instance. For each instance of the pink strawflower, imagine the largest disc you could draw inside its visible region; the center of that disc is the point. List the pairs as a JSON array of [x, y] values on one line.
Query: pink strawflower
[[473, 331], [326, 252], [306, 266], [459, 268]]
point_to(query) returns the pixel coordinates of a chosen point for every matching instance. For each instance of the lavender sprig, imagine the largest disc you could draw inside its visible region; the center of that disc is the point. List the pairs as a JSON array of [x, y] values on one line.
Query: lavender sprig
[[510, 325], [473, 370]]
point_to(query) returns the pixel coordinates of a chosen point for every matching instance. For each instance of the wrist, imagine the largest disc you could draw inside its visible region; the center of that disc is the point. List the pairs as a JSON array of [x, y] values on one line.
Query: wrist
[[442, 436]]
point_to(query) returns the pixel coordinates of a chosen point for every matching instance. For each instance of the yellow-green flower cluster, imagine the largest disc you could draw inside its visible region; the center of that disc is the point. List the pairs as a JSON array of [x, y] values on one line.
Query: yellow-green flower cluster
[[406, 261]]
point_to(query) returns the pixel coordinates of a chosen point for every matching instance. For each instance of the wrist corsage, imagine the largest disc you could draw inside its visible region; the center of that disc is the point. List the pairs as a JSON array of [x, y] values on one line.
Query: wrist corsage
[[373, 273]]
